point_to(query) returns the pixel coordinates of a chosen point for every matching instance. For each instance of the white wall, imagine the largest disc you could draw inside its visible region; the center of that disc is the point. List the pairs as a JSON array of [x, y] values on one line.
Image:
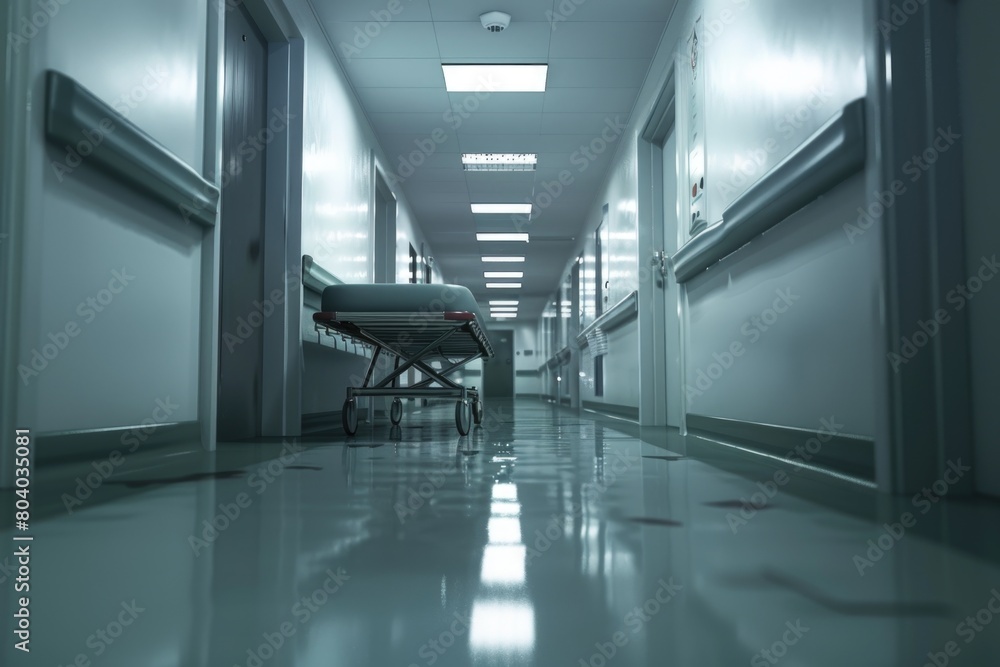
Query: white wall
[[979, 51], [147, 60], [526, 338], [774, 73], [761, 62], [340, 153]]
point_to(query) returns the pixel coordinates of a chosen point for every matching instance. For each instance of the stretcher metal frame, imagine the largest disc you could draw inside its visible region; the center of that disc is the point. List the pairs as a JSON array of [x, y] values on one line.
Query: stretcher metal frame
[[414, 339]]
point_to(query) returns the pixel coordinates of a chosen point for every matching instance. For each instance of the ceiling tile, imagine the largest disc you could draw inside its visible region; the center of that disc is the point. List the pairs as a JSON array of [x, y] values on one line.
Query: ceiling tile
[[500, 123], [379, 12], [395, 40], [465, 104], [598, 59], [528, 42], [395, 72], [652, 11], [596, 72], [590, 99], [592, 124], [605, 40], [521, 11], [376, 100]]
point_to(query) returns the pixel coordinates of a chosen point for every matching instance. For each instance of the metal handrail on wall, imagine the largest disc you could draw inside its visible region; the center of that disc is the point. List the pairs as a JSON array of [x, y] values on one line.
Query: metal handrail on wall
[[622, 312], [75, 117], [828, 157], [315, 277]]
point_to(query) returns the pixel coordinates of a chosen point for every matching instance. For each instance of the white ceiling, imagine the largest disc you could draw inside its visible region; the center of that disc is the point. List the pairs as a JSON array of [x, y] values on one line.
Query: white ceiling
[[598, 57]]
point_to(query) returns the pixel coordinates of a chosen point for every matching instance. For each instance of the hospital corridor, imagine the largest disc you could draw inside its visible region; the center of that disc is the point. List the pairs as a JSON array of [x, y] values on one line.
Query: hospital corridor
[[482, 333]]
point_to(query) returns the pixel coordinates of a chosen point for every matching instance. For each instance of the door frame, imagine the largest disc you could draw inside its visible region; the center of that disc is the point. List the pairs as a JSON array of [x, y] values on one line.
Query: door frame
[[494, 335], [281, 385], [383, 233], [655, 387]]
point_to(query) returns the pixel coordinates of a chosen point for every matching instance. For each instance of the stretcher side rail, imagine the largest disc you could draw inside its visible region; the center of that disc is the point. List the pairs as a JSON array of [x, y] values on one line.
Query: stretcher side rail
[[414, 338]]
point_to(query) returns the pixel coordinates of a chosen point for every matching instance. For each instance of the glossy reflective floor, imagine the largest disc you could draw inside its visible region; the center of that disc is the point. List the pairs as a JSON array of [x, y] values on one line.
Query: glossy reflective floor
[[543, 538]]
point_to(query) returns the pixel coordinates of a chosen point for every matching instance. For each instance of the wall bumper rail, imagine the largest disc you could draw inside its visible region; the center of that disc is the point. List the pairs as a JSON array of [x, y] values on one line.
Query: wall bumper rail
[[123, 151], [828, 157], [619, 314], [315, 277]]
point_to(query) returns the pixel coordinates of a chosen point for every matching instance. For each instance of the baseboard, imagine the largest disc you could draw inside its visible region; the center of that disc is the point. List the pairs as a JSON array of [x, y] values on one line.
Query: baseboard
[[626, 411], [319, 422], [850, 454], [65, 446]]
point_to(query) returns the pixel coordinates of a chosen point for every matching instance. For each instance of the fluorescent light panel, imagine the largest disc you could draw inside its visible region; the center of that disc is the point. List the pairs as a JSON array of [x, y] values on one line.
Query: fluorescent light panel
[[499, 161], [504, 303], [501, 236], [495, 78], [511, 259], [503, 309], [503, 274], [490, 209], [503, 285]]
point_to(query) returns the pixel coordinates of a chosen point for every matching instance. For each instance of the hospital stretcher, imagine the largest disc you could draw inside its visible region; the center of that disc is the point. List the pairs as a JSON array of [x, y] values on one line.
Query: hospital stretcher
[[418, 325]]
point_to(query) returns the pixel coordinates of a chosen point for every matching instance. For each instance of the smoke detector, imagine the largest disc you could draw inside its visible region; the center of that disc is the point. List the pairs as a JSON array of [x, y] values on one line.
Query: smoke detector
[[495, 21]]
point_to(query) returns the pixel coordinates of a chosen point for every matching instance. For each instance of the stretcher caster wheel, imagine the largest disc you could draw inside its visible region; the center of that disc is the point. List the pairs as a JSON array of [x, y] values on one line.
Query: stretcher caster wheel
[[477, 412], [349, 416], [396, 412], [463, 417]]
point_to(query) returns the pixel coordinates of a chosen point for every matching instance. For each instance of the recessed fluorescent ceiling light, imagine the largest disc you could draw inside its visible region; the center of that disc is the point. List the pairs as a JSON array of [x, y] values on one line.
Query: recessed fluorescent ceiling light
[[504, 303], [503, 259], [495, 78], [499, 161], [503, 285], [502, 208], [501, 236], [503, 274], [503, 309]]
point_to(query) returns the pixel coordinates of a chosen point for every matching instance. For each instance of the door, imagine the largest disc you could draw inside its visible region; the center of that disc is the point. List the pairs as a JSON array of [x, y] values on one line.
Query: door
[[384, 232], [241, 256], [671, 290], [498, 372]]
